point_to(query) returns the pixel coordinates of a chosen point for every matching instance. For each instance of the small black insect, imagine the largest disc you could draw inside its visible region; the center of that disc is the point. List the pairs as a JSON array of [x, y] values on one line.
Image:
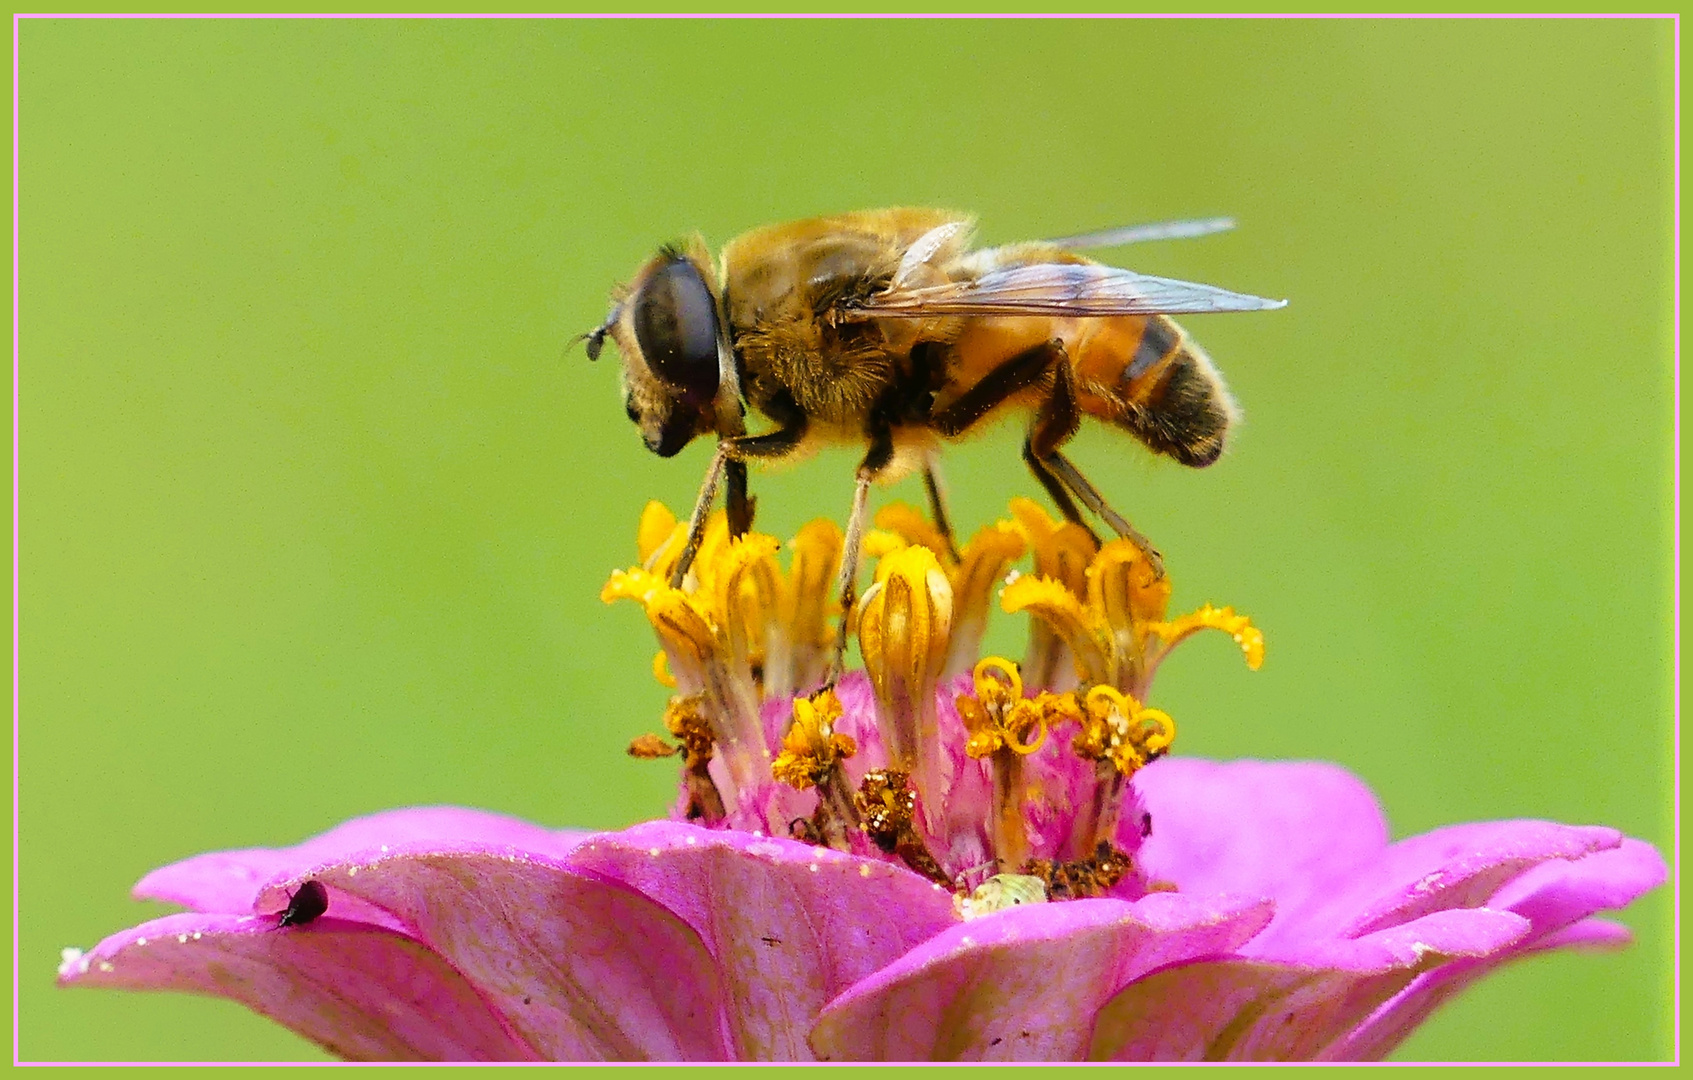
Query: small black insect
[[307, 903]]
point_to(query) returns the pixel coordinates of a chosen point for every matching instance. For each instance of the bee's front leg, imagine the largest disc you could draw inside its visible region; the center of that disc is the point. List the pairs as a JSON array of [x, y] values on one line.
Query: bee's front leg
[[702, 510], [732, 454]]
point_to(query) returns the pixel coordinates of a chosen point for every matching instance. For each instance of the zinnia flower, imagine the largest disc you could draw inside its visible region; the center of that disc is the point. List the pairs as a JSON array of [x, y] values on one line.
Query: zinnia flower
[[938, 858]]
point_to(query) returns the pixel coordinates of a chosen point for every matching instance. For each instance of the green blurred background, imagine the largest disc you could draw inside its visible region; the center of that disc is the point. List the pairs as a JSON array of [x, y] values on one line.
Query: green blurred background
[[316, 508]]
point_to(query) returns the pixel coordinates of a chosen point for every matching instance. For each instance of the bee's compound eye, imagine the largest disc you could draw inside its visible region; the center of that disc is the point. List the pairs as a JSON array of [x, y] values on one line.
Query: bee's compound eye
[[676, 326]]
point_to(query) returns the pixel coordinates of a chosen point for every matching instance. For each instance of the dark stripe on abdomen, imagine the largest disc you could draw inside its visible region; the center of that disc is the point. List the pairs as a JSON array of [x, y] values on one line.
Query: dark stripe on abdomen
[[1159, 337]]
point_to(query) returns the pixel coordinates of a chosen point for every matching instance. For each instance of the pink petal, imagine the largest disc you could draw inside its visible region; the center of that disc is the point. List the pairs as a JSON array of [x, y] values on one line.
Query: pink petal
[[1556, 898], [791, 925], [1024, 984], [1458, 866], [1293, 831], [1556, 894], [1290, 1008], [581, 968], [359, 991], [228, 881], [1587, 934]]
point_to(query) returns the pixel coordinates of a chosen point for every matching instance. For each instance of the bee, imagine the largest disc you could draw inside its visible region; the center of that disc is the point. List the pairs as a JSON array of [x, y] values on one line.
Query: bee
[[887, 329]]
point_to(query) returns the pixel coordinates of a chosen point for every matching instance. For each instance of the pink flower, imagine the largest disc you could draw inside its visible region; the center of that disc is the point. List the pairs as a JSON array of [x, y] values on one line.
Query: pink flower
[[915, 864], [461, 935]]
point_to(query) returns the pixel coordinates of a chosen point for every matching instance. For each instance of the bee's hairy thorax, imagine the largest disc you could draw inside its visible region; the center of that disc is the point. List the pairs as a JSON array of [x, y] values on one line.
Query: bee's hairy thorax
[[786, 303]]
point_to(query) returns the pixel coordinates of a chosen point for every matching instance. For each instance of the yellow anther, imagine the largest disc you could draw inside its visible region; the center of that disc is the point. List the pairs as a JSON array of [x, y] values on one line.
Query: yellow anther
[[1008, 683]]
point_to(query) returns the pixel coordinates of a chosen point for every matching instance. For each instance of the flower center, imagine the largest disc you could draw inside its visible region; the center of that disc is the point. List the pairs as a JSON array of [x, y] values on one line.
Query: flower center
[[951, 765]]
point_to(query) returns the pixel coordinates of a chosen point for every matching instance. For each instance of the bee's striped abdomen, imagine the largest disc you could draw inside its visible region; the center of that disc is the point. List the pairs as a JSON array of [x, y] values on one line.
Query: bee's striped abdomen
[[1173, 398]]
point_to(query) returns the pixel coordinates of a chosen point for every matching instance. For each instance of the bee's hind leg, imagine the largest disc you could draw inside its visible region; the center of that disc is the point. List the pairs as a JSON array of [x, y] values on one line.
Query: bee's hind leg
[[1057, 421], [1055, 489]]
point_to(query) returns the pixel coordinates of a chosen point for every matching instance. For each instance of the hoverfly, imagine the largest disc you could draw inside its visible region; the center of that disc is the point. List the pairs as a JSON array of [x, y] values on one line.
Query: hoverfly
[[884, 328]]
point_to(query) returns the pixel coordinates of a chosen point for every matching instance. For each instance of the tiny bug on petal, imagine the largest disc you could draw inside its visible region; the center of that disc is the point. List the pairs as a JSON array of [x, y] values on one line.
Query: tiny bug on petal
[[309, 901]]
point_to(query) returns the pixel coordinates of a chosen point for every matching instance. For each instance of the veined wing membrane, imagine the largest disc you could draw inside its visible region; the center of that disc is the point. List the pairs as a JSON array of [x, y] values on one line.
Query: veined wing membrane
[[1139, 234], [1076, 289]]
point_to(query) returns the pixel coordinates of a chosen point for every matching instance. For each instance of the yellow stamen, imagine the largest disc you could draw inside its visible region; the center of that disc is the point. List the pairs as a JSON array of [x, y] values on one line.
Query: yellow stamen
[[1119, 729], [981, 567], [998, 715], [661, 670], [805, 614]]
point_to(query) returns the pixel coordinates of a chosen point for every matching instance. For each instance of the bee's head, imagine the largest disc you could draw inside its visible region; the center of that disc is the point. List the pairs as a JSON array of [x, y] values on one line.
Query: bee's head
[[666, 328]]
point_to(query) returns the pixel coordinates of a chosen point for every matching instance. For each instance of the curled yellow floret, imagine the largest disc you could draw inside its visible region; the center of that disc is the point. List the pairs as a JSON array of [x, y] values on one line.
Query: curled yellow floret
[[998, 716], [1119, 729]]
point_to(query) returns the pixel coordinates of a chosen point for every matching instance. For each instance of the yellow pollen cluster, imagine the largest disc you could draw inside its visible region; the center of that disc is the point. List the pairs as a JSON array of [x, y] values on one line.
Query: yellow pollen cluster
[[1119, 729], [812, 747]]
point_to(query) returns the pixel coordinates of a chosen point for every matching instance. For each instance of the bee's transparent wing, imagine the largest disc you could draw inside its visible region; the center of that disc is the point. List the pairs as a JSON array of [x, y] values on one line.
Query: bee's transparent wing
[[1140, 234], [1075, 289]]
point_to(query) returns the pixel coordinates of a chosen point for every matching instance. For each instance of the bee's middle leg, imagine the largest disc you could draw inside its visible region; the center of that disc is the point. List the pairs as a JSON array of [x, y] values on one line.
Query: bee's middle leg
[[937, 503], [1058, 419], [881, 452]]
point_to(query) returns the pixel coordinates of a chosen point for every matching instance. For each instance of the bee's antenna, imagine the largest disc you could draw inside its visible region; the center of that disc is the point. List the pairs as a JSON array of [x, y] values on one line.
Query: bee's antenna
[[596, 337]]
